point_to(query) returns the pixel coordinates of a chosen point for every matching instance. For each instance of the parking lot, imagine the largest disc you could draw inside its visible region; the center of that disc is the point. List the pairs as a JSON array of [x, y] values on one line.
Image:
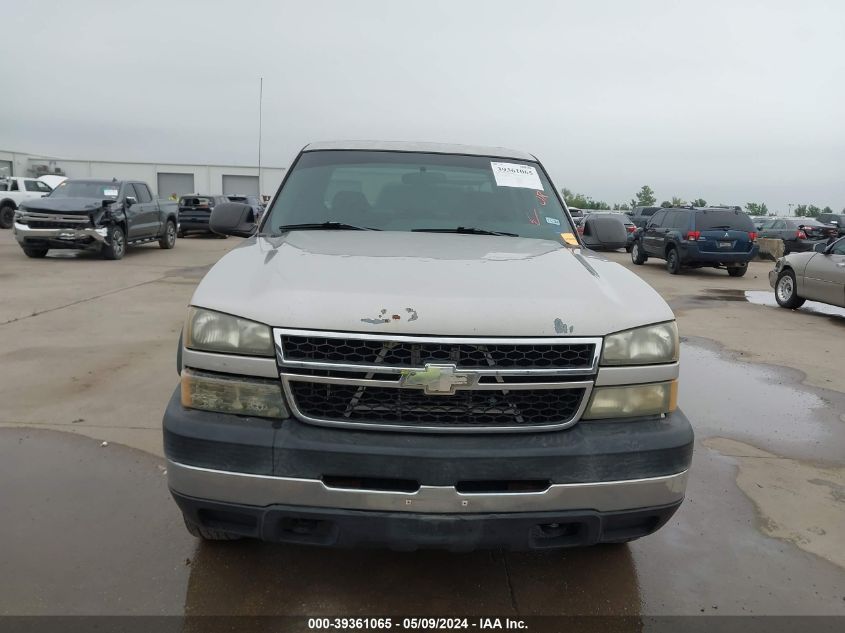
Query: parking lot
[[88, 350]]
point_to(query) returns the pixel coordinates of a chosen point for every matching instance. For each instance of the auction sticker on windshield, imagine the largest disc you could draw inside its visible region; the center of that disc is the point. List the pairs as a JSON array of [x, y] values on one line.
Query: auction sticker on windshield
[[110, 192], [515, 175]]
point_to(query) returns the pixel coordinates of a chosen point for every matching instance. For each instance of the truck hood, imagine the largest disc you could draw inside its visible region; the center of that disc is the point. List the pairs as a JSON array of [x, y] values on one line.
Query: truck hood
[[426, 283], [63, 205]]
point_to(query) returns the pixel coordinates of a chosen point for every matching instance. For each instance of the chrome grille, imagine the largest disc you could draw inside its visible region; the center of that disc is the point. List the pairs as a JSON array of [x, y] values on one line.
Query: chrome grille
[[418, 353], [491, 384]]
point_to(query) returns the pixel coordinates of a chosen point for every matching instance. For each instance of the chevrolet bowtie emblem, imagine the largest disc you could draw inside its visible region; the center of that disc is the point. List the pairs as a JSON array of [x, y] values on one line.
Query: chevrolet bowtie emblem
[[438, 380]]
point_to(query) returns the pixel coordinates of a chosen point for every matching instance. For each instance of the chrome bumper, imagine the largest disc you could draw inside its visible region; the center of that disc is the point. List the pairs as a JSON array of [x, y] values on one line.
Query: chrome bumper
[[263, 490], [24, 232]]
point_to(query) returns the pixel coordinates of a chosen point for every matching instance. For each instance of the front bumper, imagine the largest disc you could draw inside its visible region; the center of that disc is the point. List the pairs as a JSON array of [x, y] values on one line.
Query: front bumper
[[24, 234], [251, 476], [773, 277], [408, 531]]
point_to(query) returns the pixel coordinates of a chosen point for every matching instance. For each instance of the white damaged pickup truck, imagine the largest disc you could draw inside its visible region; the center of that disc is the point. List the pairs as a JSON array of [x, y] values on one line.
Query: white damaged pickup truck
[[414, 350]]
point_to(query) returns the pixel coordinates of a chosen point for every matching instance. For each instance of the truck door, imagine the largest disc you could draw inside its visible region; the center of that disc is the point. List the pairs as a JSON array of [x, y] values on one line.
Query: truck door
[[129, 197], [148, 211]]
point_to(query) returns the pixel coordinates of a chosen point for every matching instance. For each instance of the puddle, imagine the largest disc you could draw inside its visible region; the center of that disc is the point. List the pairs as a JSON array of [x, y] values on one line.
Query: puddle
[[758, 403], [765, 298], [797, 502], [762, 298]]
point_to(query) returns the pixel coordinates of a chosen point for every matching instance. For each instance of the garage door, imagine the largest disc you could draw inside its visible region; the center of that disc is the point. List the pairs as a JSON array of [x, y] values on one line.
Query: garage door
[[244, 185], [170, 183]]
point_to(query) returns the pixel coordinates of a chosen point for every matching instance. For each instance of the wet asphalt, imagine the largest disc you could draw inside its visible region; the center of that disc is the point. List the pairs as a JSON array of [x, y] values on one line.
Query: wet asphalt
[[91, 529]]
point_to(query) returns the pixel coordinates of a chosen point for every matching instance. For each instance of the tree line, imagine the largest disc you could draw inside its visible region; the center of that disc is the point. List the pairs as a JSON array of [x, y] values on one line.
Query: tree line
[[646, 197]]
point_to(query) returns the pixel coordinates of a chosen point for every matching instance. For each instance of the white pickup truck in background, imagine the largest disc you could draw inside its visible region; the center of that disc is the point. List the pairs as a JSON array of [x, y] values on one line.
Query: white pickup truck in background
[[15, 190]]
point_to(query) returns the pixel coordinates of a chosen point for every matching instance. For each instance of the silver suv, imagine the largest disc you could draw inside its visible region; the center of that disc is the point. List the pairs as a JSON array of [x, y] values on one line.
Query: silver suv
[[414, 349]]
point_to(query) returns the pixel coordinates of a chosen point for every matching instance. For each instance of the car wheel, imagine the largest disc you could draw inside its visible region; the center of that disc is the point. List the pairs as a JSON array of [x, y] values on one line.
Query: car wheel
[[168, 238], [209, 534], [786, 290], [673, 261], [7, 216], [35, 252], [637, 254], [738, 271], [116, 245]]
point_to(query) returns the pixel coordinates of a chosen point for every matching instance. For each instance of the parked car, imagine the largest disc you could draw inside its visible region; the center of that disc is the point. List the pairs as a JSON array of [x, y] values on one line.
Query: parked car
[[605, 231], [641, 215], [96, 215], [195, 211], [799, 235], [14, 191], [759, 221], [834, 219], [696, 237], [420, 404], [818, 275]]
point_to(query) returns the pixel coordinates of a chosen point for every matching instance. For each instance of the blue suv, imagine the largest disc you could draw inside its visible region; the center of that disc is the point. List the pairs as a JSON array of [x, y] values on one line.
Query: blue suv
[[692, 237]]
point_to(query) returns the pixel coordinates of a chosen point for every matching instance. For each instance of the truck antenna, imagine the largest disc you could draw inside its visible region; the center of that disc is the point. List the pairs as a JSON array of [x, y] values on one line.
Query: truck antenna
[[260, 101]]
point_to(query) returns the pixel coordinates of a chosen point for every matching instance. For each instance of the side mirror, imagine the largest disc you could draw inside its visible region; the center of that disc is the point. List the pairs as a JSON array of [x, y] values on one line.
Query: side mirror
[[233, 218], [130, 201], [821, 247]]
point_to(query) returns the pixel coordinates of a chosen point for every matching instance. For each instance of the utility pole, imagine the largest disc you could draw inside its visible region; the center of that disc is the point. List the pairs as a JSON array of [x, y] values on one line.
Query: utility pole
[[790, 205], [260, 102]]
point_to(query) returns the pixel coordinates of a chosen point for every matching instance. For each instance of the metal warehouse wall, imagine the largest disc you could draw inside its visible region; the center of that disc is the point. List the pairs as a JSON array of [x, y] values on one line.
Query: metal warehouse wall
[[207, 178]]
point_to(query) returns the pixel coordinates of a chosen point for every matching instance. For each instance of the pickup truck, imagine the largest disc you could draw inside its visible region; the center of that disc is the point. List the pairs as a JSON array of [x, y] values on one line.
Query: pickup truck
[[641, 215], [14, 191], [423, 355], [96, 215]]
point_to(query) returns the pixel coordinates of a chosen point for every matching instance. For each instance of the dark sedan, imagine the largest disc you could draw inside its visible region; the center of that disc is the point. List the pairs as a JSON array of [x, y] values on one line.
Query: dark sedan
[[799, 235]]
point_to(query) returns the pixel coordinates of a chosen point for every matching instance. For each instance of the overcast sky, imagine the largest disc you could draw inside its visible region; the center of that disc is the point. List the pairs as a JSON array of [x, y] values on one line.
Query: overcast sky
[[734, 101]]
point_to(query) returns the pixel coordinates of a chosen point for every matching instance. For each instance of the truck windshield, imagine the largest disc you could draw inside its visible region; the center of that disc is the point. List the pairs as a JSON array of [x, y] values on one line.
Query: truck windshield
[[86, 189], [407, 191]]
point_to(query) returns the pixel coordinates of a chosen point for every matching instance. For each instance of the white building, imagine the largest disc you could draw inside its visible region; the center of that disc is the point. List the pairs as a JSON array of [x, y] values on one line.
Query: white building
[[166, 179]]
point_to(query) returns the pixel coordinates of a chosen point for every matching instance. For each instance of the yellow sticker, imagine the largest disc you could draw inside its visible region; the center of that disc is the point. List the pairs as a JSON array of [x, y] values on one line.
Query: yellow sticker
[[570, 239]]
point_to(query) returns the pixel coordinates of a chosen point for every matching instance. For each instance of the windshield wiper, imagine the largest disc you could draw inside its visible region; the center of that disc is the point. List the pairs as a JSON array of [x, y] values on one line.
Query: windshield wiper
[[324, 226], [467, 230], [724, 227]]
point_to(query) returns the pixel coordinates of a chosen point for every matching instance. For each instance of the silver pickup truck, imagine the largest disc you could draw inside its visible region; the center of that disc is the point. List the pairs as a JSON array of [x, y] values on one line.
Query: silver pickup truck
[[414, 350]]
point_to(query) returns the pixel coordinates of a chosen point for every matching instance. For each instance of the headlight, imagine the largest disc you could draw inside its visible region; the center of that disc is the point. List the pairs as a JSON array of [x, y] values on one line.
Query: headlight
[[632, 401], [217, 332], [642, 346], [240, 395]]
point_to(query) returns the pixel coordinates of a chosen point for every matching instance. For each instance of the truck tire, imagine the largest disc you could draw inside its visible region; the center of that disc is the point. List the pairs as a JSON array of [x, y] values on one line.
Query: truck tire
[[7, 216], [209, 534], [673, 260], [637, 254], [786, 290], [116, 246], [738, 271], [35, 252], [168, 237]]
